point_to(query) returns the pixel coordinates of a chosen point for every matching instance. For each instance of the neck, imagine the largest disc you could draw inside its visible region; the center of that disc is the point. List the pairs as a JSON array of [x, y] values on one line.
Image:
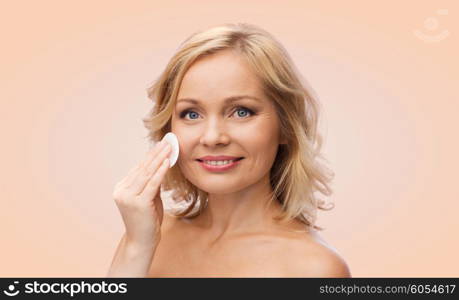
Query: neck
[[247, 210]]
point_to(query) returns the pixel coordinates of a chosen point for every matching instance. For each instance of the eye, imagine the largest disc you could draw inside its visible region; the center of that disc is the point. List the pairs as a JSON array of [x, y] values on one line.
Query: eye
[[241, 111], [193, 114], [244, 111]]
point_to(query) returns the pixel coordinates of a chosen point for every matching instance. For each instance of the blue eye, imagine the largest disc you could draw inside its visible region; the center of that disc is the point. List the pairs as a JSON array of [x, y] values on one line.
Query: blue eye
[[186, 111], [194, 115], [245, 110]]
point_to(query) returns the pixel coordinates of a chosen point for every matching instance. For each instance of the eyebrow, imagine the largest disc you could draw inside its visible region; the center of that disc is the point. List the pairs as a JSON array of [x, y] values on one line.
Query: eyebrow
[[227, 100]]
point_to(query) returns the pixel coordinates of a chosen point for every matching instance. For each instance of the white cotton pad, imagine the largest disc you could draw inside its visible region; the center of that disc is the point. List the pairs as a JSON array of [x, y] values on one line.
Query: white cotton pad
[[173, 141]]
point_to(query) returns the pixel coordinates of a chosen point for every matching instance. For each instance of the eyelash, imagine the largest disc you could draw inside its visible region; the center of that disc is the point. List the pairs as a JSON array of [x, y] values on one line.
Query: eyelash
[[186, 111]]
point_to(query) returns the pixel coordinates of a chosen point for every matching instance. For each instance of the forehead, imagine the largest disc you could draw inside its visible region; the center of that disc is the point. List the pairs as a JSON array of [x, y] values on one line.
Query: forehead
[[218, 76]]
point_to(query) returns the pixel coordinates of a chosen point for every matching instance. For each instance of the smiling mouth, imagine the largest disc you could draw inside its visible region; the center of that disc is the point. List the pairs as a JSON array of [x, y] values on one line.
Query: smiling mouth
[[233, 160]]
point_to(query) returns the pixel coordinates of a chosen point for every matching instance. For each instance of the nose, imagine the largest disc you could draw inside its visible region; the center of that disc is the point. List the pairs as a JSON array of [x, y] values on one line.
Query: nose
[[214, 134]]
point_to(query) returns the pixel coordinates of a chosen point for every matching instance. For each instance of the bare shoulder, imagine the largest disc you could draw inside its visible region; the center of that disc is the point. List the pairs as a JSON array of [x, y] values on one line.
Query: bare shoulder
[[313, 257]]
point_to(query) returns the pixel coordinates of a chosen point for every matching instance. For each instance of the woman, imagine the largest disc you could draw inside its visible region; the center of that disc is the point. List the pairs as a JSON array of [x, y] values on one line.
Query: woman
[[246, 173]]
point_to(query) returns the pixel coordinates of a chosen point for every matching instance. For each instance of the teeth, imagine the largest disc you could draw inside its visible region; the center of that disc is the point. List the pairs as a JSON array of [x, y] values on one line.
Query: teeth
[[218, 162]]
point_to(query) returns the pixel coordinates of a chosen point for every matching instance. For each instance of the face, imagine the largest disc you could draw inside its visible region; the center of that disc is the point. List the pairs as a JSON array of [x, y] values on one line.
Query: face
[[210, 125]]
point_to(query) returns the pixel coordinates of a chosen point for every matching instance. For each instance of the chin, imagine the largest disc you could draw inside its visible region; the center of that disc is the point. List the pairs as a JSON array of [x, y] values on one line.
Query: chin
[[218, 187]]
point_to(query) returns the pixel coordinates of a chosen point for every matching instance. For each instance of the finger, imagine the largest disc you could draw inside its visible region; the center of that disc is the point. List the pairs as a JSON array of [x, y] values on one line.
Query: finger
[[129, 179], [146, 173], [153, 152], [152, 186]]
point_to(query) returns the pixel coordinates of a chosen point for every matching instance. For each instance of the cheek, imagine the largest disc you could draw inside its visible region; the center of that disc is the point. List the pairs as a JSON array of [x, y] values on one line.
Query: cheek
[[184, 147], [261, 134], [187, 143], [261, 142]]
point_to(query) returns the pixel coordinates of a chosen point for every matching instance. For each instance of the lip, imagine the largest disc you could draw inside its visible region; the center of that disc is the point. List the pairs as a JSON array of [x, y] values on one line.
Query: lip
[[221, 168], [219, 157]]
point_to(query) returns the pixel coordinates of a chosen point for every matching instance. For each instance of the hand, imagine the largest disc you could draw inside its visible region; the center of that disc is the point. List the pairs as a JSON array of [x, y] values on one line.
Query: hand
[[137, 197]]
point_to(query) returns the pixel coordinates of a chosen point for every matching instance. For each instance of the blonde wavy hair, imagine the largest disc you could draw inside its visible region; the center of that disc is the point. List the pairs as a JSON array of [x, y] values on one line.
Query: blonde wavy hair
[[296, 173]]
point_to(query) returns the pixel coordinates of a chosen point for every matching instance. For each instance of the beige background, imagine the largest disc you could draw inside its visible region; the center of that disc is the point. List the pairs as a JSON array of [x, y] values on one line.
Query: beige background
[[73, 91]]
